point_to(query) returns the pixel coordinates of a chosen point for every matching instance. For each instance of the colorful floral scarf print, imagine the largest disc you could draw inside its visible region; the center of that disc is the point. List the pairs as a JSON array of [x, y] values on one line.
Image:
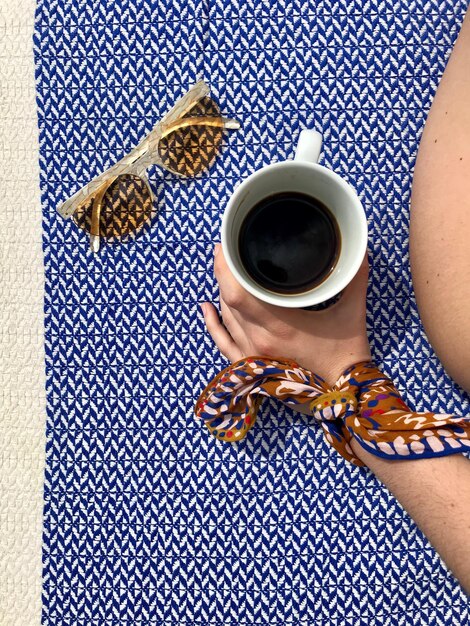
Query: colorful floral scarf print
[[363, 403]]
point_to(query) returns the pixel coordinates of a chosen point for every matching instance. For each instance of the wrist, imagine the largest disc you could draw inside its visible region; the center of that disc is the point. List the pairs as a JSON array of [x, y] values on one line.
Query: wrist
[[392, 472], [385, 469], [363, 455], [337, 359]]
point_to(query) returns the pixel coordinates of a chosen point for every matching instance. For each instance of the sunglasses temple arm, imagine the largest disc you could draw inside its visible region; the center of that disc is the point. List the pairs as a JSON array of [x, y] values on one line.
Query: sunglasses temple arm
[[215, 122], [231, 124], [96, 216], [152, 157]]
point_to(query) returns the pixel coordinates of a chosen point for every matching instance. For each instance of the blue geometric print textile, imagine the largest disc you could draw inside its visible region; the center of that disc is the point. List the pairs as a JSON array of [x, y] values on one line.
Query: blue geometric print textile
[[148, 519]]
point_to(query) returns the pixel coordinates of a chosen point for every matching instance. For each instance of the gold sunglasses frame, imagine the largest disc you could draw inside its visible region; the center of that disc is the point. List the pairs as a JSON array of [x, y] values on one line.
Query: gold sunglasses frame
[[140, 158]]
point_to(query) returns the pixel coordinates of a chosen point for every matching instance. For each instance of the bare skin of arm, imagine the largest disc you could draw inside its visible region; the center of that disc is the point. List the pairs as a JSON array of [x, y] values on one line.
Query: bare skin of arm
[[435, 492], [440, 216]]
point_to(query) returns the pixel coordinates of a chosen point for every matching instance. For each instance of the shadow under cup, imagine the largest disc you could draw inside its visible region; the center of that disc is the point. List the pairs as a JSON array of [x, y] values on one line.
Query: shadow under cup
[[320, 183]]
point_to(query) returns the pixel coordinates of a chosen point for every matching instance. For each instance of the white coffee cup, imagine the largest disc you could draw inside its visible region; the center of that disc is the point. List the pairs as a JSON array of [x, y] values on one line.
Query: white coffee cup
[[302, 175]]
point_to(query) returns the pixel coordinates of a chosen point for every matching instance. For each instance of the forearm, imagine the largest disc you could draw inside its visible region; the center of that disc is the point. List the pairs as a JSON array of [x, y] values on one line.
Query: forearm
[[440, 215], [436, 494]]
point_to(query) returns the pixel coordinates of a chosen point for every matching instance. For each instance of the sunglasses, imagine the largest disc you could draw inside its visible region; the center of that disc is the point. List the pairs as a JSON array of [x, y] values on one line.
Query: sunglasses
[[118, 203]]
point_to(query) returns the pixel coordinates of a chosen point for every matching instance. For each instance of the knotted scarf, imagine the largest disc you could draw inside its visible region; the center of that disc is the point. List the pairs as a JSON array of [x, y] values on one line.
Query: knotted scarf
[[362, 404]]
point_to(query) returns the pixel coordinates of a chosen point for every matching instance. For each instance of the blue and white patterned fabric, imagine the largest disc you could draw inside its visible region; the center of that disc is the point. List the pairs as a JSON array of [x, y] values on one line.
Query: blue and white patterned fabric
[[148, 519]]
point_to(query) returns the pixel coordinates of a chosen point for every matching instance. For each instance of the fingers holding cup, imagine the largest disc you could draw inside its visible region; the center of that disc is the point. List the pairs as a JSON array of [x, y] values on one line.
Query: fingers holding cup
[[219, 333]]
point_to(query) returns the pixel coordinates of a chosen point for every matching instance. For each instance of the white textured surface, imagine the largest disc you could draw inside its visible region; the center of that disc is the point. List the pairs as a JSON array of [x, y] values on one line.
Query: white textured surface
[[22, 398]]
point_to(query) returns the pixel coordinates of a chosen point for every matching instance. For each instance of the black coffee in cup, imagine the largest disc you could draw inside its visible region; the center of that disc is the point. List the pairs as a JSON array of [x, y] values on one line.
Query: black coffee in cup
[[289, 242]]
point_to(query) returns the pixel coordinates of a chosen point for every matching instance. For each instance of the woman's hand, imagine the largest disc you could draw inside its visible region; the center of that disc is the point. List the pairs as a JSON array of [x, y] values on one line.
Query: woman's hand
[[325, 342]]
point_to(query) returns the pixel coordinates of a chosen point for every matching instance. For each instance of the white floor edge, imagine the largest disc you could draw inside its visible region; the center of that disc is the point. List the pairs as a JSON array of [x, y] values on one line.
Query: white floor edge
[[22, 395]]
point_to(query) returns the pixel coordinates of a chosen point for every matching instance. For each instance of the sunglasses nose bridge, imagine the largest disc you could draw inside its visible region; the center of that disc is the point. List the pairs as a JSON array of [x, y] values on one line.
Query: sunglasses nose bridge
[[148, 154]]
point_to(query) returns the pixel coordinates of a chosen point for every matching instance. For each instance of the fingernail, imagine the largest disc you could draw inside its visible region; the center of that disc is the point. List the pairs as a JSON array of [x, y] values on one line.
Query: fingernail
[[203, 307], [216, 249]]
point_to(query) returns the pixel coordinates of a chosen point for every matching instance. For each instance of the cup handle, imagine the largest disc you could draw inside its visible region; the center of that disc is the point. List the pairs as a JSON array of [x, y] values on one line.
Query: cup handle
[[309, 146]]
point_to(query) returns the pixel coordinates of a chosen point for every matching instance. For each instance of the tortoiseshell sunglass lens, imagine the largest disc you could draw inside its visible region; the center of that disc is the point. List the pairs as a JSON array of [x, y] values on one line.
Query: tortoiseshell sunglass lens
[[189, 149], [126, 207]]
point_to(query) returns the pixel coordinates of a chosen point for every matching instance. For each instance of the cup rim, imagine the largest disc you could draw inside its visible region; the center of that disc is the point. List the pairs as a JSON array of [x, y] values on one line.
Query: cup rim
[[308, 298]]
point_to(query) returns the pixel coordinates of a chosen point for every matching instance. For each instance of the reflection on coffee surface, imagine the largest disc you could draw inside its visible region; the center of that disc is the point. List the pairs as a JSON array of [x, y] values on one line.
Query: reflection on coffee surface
[[289, 242]]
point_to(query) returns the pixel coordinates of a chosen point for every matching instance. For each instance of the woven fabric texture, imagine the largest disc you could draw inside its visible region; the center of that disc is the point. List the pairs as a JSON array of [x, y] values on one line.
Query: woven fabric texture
[[148, 519]]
